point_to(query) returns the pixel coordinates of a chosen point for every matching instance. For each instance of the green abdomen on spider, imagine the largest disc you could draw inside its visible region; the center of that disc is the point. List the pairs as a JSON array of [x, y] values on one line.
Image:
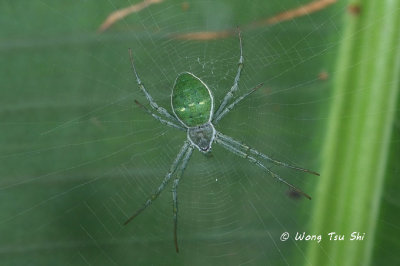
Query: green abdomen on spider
[[191, 100]]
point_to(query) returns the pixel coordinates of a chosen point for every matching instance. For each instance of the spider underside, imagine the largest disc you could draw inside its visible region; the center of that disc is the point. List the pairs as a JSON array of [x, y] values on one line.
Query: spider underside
[[194, 113]]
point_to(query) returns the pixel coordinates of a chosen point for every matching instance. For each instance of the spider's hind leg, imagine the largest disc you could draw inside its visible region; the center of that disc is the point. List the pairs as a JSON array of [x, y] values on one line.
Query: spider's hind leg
[[232, 105], [235, 85], [153, 104], [162, 121]]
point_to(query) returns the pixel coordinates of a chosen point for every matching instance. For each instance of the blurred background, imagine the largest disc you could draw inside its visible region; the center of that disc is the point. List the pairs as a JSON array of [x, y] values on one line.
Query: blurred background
[[77, 156]]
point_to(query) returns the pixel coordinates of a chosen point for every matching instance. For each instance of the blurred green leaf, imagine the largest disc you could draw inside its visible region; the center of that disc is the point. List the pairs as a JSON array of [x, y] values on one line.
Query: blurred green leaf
[[356, 155]]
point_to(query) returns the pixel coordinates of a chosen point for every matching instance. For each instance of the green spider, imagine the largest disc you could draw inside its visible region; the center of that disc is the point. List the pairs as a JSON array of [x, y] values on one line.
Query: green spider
[[193, 111]]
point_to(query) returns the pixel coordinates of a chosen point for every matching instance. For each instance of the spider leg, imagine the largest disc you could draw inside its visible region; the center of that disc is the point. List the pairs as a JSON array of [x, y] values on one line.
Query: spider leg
[[167, 177], [245, 155], [153, 104], [248, 150], [234, 87], [163, 121], [175, 195], [230, 107]]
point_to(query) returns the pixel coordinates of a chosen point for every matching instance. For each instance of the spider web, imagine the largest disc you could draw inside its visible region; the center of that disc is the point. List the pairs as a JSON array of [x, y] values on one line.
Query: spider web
[[79, 157]]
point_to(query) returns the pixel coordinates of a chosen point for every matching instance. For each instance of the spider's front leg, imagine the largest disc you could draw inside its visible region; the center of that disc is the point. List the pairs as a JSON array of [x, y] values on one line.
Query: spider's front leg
[[250, 150], [185, 160], [237, 148], [167, 177]]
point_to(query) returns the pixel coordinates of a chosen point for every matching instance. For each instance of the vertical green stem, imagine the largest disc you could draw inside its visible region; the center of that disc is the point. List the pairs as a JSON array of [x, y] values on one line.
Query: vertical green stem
[[358, 134]]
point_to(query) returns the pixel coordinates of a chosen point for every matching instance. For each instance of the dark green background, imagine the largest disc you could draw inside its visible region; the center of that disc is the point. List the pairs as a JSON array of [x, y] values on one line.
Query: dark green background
[[77, 156]]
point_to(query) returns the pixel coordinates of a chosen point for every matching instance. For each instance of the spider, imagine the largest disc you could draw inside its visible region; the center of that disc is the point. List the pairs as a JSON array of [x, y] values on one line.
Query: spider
[[193, 111]]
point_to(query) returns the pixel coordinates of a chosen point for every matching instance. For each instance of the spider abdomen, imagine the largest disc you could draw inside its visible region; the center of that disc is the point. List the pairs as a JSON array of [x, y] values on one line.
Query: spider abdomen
[[191, 100]]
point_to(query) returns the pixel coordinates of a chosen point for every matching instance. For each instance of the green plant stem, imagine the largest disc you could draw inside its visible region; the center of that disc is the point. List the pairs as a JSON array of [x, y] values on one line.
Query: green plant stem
[[358, 134]]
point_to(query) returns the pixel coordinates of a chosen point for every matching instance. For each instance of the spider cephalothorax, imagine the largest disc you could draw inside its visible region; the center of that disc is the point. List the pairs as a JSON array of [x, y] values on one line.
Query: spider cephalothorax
[[202, 136], [193, 111]]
